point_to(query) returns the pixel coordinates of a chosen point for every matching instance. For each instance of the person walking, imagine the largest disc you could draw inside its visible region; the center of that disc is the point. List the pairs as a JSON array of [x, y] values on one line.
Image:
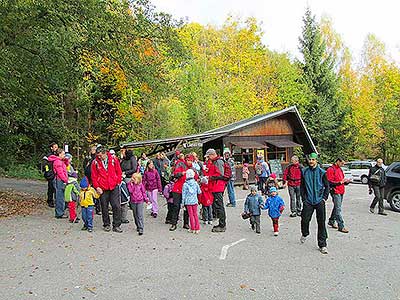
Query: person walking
[[106, 176], [314, 191], [61, 179], [230, 185], [337, 181], [262, 172], [152, 184], [292, 180], [376, 183], [215, 166], [275, 206], [252, 206]]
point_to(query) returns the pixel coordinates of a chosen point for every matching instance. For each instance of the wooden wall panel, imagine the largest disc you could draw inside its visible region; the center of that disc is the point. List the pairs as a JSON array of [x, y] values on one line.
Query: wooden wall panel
[[278, 126]]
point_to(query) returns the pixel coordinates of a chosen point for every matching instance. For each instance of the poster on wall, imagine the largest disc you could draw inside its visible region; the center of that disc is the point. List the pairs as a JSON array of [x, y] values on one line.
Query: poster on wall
[[276, 167], [261, 152]]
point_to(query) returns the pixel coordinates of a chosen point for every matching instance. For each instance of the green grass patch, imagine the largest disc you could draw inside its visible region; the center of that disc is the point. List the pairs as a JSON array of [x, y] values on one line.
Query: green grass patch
[[25, 171]]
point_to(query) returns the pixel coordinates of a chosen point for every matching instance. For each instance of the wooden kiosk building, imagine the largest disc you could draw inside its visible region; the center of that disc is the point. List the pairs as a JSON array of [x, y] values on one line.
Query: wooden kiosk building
[[274, 136]]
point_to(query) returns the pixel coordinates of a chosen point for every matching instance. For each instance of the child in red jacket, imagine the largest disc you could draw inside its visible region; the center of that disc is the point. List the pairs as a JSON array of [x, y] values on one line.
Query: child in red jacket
[[206, 200]]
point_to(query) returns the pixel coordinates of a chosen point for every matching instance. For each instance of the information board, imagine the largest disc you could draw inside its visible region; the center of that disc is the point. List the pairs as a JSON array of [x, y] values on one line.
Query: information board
[[276, 167]]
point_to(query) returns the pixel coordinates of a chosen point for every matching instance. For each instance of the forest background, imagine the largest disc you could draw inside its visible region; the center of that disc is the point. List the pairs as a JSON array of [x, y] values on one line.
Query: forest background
[[82, 72]]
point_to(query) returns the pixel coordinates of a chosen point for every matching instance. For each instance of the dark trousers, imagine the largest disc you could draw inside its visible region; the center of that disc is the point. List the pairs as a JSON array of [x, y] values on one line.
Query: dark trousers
[[169, 211], [176, 207], [97, 205], [255, 222], [219, 208], [306, 215], [51, 192], [111, 197], [261, 184], [378, 192], [295, 200]]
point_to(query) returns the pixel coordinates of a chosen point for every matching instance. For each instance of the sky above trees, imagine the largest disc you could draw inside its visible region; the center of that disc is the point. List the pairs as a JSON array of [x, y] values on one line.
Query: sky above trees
[[281, 20]]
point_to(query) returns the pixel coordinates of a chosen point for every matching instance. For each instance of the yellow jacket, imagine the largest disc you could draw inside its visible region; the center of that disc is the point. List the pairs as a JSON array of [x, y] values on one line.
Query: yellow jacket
[[86, 196]]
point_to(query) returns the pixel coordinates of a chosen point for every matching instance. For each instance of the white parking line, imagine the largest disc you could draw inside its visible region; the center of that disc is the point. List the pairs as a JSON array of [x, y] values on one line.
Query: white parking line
[[224, 250]]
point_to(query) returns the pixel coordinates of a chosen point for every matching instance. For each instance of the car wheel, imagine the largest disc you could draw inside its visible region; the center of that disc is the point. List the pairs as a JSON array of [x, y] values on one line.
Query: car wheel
[[364, 180], [395, 201]]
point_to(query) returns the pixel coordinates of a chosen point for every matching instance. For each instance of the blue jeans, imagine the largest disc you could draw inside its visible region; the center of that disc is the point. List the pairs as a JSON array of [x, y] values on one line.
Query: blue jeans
[[336, 214], [60, 205], [231, 192], [87, 216]]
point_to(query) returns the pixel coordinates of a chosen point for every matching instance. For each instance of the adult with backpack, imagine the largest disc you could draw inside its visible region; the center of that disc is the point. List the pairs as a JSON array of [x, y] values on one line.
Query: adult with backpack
[[292, 180], [230, 177], [376, 183], [129, 167], [49, 175], [106, 177], [262, 172], [61, 179], [217, 182], [337, 181]]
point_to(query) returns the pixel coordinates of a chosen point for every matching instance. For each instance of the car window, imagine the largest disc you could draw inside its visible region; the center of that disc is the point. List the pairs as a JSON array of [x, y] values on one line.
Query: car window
[[365, 166], [356, 166], [396, 169]]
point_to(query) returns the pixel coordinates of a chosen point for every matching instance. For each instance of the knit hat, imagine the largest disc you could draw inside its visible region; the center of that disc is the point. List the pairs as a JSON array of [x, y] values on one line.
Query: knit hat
[[68, 155], [189, 174], [211, 152], [313, 156], [112, 151], [84, 183], [273, 175], [253, 188], [273, 189]]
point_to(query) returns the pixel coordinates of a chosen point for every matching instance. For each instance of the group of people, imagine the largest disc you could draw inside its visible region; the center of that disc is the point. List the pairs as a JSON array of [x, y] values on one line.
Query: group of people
[[185, 182]]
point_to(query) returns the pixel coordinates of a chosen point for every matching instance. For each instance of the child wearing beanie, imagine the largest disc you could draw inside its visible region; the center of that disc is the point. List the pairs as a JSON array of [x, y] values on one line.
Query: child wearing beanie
[[253, 205], [190, 191], [275, 206], [86, 196]]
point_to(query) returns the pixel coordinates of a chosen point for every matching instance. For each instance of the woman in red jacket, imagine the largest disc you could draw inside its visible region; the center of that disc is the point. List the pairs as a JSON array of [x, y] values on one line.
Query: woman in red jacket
[[61, 179]]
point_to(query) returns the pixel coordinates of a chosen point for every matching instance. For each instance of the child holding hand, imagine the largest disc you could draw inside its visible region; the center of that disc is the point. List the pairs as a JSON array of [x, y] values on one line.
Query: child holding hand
[[275, 206], [253, 205], [87, 196]]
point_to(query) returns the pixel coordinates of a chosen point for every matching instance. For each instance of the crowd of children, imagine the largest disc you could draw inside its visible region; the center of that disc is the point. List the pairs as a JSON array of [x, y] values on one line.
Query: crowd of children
[[184, 182]]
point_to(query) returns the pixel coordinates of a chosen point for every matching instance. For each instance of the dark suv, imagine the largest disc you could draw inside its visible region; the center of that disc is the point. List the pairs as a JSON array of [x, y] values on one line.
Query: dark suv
[[392, 188]]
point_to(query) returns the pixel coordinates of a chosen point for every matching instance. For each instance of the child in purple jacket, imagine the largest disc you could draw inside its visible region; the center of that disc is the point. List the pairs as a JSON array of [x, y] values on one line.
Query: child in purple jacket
[[152, 184], [138, 197], [170, 202]]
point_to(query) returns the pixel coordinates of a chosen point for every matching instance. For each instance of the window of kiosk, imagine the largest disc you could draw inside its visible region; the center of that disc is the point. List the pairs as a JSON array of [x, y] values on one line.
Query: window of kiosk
[[241, 155], [277, 153]]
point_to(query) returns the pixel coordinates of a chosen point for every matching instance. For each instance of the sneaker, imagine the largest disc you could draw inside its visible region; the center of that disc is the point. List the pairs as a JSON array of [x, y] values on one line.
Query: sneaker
[[323, 250], [172, 228], [50, 204], [209, 222], [90, 230], [154, 215], [185, 226], [371, 210], [343, 230], [191, 231], [61, 217], [218, 229], [205, 222], [382, 213], [84, 228], [293, 215], [117, 229], [98, 213], [333, 225], [229, 205], [299, 214], [140, 233], [258, 232], [196, 231], [107, 228], [77, 220], [167, 222], [276, 233], [125, 221], [303, 239]]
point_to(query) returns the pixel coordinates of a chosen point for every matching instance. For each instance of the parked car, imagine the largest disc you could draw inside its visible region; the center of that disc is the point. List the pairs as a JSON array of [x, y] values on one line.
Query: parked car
[[346, 171], [392, 188], [359, 169]]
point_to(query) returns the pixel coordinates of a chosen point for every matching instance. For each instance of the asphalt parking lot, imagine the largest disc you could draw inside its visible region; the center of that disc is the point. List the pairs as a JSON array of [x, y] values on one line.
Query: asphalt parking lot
[[45, 258]]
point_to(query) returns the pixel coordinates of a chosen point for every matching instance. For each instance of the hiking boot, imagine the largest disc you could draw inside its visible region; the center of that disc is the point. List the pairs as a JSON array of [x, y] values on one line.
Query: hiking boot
[[323, 250], [343, 230], [76, 220], [90, 230], [371, 210], [259, 232], [117, 229], [303, 239], [293, 215], [185, 226], [172, 228], [209, 222], [107, 228], [299, 214], [230, 205], [218, 229], [84, 228], [50, 204], [382, 213], [140, 233], [154, 215], [333, 225], [61, 217]]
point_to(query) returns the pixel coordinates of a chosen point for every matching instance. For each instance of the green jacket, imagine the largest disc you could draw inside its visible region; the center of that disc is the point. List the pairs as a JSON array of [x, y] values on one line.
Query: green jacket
[[71, 190]]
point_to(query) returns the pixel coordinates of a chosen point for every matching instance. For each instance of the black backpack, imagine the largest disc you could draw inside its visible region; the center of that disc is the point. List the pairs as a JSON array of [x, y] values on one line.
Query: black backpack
[[48, 171]]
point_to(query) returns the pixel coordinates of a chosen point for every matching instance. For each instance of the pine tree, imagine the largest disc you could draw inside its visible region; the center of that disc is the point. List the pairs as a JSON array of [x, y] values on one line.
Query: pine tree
[[323, 117]]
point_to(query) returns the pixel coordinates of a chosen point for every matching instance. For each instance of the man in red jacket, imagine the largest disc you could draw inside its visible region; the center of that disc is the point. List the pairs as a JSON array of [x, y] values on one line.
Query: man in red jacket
[[336, 180], [106, 176], [292, 179], [217, 184]]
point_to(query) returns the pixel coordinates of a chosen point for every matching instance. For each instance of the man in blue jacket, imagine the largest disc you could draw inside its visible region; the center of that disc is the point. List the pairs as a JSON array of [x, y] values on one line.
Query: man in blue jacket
[[314, 191]]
